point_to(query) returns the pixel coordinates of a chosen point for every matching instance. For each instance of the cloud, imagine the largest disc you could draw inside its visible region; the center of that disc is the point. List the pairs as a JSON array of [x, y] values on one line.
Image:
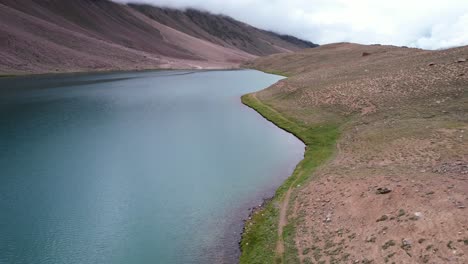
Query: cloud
[[428, 24]]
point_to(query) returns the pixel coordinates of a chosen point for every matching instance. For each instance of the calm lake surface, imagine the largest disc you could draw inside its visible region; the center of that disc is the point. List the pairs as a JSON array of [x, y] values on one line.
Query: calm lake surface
[[134, 168]]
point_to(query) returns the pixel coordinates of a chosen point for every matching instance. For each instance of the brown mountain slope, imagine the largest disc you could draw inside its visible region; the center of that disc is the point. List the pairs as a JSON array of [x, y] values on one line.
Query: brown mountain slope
[[32, 45], [103, 20], [403, 118], [224, 30], [39, 36]]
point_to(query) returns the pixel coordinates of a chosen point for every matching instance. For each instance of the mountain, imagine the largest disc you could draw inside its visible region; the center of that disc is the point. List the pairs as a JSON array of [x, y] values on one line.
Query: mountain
[[39, 36], [224, 30]]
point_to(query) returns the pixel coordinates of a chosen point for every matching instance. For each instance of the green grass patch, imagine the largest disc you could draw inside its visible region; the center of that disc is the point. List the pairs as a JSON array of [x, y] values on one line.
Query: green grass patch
[[275, 72], [290, 250], [7, 75], [269, 71], [261, 233]]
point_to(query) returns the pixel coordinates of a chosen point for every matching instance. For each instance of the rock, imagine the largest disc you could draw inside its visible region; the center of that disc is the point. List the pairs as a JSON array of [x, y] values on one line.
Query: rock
[[382, 218], [383, 190], [460, 60], [431, 64], [406, 244], [328, 218], [364, 54], [371, 239], [418, 215]]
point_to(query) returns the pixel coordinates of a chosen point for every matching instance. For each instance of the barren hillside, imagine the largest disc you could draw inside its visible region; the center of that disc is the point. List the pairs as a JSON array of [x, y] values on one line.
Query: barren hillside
[[224, 31], [84, 35], [395, 190]]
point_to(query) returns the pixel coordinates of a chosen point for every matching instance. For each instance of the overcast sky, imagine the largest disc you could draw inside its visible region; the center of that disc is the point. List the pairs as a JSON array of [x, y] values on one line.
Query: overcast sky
[[428, 24]]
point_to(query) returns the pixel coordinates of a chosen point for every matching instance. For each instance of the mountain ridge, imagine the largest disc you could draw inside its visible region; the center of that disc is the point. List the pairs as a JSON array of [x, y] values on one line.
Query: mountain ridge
[[93, 35]]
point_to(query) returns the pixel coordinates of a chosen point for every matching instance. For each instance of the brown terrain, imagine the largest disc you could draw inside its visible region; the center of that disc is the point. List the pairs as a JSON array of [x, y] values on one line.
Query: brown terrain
[[38, 36], [396, 189]]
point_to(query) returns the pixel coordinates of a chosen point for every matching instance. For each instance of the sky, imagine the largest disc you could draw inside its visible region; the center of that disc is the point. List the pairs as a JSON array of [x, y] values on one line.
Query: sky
[[427, 24]]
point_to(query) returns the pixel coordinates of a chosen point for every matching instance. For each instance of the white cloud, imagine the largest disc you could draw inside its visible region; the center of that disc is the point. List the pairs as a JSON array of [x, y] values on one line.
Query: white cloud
[[429, 24]]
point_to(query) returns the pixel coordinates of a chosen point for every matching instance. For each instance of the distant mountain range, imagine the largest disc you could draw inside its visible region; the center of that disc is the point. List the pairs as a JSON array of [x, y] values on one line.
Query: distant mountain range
[[42, 36]]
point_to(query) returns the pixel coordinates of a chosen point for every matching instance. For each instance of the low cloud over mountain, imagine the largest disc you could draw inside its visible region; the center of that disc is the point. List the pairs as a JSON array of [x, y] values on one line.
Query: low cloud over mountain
[[428, 24]]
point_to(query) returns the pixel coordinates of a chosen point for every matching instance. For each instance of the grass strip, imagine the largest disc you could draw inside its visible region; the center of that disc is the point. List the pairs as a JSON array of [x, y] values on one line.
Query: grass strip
[[7, 75], [261, 233]]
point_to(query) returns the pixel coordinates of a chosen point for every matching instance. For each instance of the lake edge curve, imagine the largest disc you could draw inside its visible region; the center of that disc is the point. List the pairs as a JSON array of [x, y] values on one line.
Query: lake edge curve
[[261, 241]]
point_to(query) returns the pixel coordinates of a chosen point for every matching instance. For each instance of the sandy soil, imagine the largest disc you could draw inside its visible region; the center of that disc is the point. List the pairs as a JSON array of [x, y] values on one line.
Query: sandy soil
[[422, 220]]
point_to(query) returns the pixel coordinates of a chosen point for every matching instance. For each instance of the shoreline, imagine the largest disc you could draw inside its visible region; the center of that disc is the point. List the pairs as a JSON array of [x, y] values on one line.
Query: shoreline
[[263, 239], [80, 73]]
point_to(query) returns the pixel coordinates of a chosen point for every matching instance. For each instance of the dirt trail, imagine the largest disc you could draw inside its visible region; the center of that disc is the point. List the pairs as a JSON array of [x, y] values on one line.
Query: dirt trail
[[283, 221]]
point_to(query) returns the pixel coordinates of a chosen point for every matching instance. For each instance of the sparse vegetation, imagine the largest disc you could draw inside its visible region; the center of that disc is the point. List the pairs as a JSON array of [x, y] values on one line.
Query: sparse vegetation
[[388, 244], [7, 75], [382, 218], [388, 257], [401, 212], [401, 124], [450, 245], [280, 73]]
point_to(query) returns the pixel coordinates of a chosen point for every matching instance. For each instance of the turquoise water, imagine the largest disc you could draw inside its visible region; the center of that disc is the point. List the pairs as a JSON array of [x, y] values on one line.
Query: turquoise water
[[154, 167]]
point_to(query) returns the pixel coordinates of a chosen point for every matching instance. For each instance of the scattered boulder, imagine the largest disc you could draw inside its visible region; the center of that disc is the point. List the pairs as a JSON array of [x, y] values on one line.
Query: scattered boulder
[[460, 60], [383, 190]]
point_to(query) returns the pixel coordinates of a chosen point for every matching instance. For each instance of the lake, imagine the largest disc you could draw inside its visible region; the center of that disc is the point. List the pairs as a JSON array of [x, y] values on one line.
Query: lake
[[144, 167]]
